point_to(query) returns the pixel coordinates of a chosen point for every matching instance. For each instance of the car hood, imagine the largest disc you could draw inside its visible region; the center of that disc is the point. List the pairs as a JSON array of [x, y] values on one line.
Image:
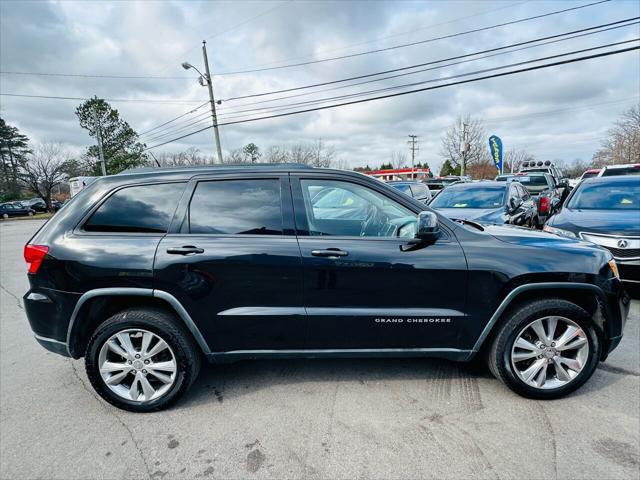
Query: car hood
[[480, 215], [536, 238], [612, 222]]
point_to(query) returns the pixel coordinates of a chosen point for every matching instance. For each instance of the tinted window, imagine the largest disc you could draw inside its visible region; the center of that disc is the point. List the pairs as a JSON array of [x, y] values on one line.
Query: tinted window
[[586, 175], [141, 209], [249, 207], [403, 187], [612, 172], [475, 197], [348, 209], [606, 196], [527, 180]]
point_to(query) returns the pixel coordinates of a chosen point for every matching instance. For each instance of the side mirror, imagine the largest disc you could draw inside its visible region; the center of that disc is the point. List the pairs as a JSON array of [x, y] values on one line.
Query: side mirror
[[563, 183], [428, 228]]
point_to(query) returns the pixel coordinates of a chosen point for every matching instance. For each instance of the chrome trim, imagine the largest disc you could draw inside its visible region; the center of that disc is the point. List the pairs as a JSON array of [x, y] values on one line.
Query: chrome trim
[[517, 291], [263, 311], [611, 241], [49, 340], [38, 297], [373, 312]]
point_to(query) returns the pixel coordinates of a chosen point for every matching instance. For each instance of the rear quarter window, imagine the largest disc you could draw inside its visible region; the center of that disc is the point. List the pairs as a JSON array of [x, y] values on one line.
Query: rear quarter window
[[137, 209]]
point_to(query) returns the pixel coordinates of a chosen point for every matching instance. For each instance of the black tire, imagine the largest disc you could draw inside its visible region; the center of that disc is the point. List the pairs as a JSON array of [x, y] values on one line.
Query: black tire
[[166, 326], [499, 355]]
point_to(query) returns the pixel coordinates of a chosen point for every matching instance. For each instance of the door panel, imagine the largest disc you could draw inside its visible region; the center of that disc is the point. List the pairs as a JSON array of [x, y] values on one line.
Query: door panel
[[371, 290], [239, 275]]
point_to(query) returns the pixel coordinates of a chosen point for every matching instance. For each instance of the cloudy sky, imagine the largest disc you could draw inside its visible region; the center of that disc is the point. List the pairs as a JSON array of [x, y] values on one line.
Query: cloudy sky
[[561, 112]]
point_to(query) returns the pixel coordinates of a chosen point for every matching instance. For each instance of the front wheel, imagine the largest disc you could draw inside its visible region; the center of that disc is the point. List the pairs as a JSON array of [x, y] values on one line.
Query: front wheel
[[547, 349], [141, 360]]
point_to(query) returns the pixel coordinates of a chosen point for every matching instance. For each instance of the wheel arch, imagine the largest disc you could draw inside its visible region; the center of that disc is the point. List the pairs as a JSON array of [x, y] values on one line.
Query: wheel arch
[[585, 295], [95, 306]]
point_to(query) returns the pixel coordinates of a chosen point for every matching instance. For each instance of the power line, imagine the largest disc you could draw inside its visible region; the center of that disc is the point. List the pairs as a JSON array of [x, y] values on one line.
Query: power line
[[391, 95], [173, 125], [174, 119], [133, 100], [616, 24], [201, 122], [420, 42], [461, 82], [451, 77]]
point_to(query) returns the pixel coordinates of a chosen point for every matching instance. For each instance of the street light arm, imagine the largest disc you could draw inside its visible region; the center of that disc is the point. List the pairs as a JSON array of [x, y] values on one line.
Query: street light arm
[[187, 66]]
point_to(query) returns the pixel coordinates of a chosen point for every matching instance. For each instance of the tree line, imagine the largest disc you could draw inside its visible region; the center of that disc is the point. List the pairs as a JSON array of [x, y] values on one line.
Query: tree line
[[39, 169]]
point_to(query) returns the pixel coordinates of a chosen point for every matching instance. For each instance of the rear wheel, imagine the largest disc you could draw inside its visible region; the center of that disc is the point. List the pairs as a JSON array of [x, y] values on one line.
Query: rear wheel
[[547, 349], [5, 215], [141, 360]]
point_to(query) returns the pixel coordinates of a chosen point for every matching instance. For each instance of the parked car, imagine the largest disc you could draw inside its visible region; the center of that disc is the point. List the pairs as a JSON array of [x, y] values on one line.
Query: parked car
[[617, 170], [605, 211], [542, 187], [36, 204], [150, 272], [14, 209], [414, 189], [488, 202], [561, 182]]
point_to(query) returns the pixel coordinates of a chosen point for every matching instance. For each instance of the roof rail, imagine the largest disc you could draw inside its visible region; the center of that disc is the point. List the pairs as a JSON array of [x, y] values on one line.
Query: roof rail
[[213, 166]]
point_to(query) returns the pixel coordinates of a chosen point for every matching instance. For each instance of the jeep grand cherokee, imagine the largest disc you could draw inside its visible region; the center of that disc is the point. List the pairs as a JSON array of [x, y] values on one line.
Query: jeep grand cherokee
[[149, 272]]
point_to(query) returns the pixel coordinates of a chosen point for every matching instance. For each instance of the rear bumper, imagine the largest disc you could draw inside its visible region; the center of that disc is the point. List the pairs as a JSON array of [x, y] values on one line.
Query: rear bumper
[[49, 312]]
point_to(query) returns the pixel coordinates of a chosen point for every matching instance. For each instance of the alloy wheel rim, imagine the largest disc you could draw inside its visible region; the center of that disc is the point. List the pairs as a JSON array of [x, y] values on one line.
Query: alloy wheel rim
[[550, 352], [137, 365]]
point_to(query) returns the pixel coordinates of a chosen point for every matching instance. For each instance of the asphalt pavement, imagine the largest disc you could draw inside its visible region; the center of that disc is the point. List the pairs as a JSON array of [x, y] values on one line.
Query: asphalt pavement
[[406, 418]]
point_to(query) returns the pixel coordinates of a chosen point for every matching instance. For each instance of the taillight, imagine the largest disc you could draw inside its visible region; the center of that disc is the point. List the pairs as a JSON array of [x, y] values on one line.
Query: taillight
[[33, 255], [544, 205]]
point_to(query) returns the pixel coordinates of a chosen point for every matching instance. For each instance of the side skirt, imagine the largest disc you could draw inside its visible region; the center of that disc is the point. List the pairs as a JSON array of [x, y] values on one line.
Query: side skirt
[[237, 355]]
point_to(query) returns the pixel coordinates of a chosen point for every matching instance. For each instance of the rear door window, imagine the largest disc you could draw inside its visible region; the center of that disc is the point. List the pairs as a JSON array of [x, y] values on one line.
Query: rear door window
[[137, 209], [237, 207]]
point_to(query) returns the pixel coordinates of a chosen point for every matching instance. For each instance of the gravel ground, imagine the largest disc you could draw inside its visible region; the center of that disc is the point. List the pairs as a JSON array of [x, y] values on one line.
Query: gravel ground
[[308, 418]]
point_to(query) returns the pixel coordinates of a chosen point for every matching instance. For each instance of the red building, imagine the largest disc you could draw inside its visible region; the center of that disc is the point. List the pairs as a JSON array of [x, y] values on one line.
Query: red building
[[400, 174]]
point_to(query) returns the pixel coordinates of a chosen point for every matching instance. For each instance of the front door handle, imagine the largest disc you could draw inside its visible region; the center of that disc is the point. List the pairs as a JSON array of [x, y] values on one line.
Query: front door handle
[[186, 250], [329, 253]]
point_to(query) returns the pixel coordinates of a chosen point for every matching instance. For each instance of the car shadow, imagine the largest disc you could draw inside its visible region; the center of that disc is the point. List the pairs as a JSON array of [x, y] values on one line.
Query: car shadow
[[228, 381]]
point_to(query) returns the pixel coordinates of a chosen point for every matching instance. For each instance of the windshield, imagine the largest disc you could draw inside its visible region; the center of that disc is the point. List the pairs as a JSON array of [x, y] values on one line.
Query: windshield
[[527, 180], [607, 196], [478, 197]]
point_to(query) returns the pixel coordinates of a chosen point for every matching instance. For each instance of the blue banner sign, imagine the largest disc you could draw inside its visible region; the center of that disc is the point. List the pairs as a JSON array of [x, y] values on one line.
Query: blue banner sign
[[495, 147]]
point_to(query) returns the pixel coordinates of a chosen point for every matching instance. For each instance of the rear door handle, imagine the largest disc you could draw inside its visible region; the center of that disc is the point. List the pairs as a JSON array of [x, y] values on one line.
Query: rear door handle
[[186, 250], [329, 253]]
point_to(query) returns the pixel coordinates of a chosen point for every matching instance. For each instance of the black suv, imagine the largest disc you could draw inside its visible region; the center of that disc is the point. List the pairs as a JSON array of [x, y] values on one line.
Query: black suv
[[149, 272]]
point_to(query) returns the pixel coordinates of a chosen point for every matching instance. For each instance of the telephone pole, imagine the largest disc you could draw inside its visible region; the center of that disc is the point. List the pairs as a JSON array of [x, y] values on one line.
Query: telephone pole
[[214, 116], [464, 148], [206, 80], [413, 145], [99, 135]]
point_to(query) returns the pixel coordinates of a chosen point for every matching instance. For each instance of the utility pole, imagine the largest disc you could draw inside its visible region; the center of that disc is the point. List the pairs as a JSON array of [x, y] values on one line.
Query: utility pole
[[99, 135], [214, 116], [413, 145], [464, 149]]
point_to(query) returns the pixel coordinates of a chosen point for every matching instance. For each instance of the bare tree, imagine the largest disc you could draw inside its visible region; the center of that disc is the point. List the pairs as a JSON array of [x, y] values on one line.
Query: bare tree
[[513, 159], [622, 144], [45, 169], [191, 156], [399, 159], [476, 137], [276, 154]]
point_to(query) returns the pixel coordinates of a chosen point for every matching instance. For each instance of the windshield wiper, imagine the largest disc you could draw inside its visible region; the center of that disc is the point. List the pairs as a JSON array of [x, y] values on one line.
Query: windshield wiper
[[469, 222]]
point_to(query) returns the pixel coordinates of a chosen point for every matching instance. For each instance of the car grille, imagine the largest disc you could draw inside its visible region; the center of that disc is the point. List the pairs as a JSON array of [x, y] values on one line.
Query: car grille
[[614, 244]]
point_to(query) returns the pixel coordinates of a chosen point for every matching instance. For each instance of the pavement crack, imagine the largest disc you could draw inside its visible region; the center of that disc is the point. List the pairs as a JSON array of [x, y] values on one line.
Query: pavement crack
[[114, 415], [13, 295], [549, 427]]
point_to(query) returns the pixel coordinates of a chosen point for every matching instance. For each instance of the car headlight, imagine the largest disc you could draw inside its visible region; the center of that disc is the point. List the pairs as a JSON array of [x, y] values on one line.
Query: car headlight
[[559, 231], [614, 268]]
